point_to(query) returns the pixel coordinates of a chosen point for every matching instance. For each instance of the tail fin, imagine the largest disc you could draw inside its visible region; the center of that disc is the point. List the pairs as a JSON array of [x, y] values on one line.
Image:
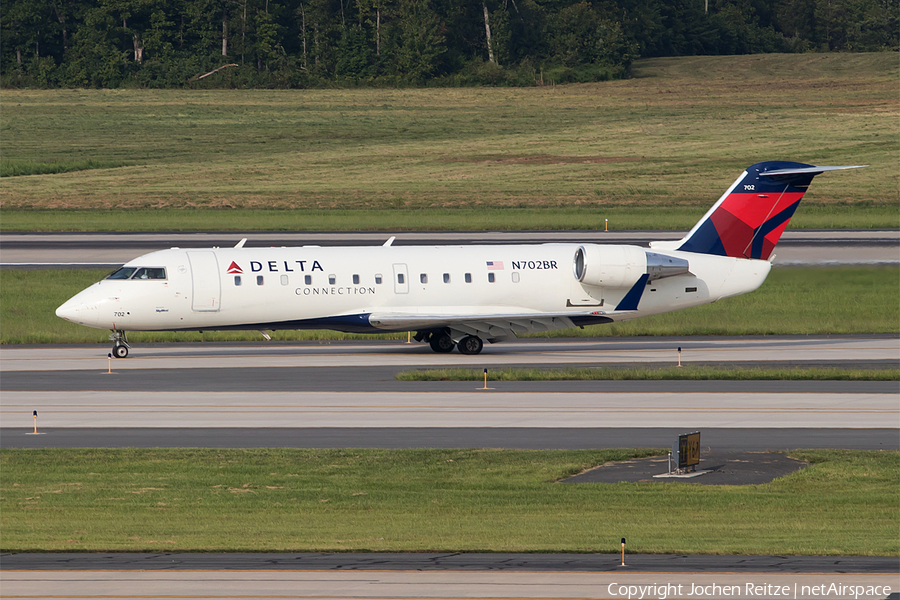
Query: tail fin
[[751, 215]]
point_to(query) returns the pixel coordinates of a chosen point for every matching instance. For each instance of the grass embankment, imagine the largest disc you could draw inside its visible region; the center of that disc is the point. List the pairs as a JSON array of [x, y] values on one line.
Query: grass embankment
[[804, 301], [845, 503], [649, 372], [674, 136]]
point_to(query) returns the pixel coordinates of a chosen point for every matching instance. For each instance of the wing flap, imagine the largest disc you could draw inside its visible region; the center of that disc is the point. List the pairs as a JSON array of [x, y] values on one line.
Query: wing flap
[[490, 326]]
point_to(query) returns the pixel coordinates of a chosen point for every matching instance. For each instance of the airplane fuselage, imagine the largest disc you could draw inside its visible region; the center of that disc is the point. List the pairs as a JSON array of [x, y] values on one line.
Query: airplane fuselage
[[359, 289]]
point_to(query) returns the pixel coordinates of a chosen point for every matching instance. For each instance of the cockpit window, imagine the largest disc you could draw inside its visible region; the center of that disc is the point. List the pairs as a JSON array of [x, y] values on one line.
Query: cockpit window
[[139, 273], [123, 273], [150, 273]]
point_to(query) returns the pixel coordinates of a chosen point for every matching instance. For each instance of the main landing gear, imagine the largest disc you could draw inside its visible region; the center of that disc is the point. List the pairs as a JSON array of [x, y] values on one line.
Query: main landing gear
[[120, 347], [441, 342], [470, 345]]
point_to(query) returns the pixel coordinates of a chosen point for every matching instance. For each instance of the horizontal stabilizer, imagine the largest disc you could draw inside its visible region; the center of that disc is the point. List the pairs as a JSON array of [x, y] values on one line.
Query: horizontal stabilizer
[[813, 170]]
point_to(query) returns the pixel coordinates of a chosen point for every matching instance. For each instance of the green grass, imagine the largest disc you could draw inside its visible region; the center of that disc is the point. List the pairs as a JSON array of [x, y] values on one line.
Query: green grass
[[11, 168], [691, 372], [284, 500], [675, 136], [805, 301]]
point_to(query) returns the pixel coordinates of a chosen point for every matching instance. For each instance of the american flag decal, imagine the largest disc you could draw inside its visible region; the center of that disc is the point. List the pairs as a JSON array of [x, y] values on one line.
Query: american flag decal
[[495, 265]]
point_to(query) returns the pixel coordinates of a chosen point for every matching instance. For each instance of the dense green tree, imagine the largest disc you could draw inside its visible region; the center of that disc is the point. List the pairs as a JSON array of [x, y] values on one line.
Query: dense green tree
[[107, 43]]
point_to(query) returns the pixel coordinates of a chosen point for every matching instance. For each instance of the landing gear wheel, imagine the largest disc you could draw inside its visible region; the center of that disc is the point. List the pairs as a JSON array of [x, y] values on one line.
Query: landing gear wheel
[[120, 344], [470, 345], [441, 342]]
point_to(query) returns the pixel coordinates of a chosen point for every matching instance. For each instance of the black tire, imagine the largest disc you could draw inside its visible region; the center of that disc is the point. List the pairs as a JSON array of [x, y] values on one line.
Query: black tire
[[441, 343], [120, 351], [470, 345]]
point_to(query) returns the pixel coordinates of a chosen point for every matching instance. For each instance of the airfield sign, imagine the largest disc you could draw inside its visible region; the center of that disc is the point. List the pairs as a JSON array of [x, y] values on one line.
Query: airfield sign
[[688, 450]]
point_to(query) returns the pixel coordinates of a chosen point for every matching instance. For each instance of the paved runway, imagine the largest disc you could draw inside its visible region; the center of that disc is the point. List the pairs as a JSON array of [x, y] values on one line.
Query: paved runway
[[441, 585], [797, 247], [295, 392], [780, 350]]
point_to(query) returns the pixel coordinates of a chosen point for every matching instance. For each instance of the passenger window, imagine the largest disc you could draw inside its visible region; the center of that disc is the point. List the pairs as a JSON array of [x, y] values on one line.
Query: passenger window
[[259, 280], [400, 278], [490, 277], [237, 280], [468, 278], [307, 279], [423, 278], [284, 280], [355, 279], [378, 278], [446, 277], [331, 279], [515, 277]]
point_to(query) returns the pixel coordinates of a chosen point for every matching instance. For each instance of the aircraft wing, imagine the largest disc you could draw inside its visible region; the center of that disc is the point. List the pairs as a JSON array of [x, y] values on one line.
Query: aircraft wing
[[491, 326]]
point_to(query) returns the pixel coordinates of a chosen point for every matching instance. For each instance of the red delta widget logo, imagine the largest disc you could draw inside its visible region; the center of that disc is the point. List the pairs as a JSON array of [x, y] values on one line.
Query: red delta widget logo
[[275, 266]]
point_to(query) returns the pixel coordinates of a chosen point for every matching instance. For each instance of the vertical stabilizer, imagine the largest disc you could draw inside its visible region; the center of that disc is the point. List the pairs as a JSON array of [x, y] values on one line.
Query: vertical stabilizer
[[750, 217]]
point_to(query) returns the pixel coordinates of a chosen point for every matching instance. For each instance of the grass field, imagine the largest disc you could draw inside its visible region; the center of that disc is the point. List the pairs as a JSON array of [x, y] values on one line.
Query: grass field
[[844, 503], [655, 373], [806, 301], [674, 136]]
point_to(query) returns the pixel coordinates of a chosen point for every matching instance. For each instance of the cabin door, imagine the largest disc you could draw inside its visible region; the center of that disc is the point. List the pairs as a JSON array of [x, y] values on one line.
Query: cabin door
[[401, 279], [205, 281]]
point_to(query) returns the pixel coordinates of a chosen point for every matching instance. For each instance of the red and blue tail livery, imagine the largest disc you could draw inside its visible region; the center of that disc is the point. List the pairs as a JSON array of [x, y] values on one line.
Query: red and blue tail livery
[[750, 217]]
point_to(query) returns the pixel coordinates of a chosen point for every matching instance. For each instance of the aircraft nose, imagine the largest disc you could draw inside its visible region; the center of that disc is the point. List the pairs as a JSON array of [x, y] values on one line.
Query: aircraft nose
[[77, 311]]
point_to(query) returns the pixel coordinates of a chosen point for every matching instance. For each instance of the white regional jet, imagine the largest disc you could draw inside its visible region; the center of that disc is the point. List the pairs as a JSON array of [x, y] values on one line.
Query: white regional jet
[[452, 296]]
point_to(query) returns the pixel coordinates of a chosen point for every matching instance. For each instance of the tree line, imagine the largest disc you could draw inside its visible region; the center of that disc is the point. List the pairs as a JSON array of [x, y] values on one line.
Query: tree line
[[313, 43]]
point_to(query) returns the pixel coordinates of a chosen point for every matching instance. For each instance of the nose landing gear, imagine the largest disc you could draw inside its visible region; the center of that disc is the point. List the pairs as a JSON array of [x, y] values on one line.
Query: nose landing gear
[[120, 347]]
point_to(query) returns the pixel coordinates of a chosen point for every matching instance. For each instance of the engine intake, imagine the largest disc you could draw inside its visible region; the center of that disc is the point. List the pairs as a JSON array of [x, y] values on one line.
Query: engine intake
[[621, 266]]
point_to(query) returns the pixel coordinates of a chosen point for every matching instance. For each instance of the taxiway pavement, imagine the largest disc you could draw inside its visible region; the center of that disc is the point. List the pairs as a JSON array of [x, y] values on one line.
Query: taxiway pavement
[[306, 393], [796, 247]]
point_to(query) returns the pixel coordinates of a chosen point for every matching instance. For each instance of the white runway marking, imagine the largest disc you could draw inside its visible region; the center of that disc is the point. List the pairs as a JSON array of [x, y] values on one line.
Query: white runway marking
[[447, 409]]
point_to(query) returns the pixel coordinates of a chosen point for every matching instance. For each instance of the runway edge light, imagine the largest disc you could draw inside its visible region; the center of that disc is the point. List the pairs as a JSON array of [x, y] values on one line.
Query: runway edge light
[[623, 552]]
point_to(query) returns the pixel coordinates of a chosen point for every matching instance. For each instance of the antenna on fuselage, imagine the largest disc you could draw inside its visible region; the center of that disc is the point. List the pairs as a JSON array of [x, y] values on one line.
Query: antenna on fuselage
[[241, 243], [390, 241]]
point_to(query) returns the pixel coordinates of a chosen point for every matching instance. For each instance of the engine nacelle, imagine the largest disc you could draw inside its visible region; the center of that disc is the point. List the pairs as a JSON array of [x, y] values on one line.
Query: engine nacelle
[[622, 266], [609, 266]]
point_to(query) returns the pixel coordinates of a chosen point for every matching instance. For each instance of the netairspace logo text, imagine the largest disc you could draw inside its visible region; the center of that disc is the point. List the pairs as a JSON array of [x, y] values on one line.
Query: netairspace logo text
[[748, 590]]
